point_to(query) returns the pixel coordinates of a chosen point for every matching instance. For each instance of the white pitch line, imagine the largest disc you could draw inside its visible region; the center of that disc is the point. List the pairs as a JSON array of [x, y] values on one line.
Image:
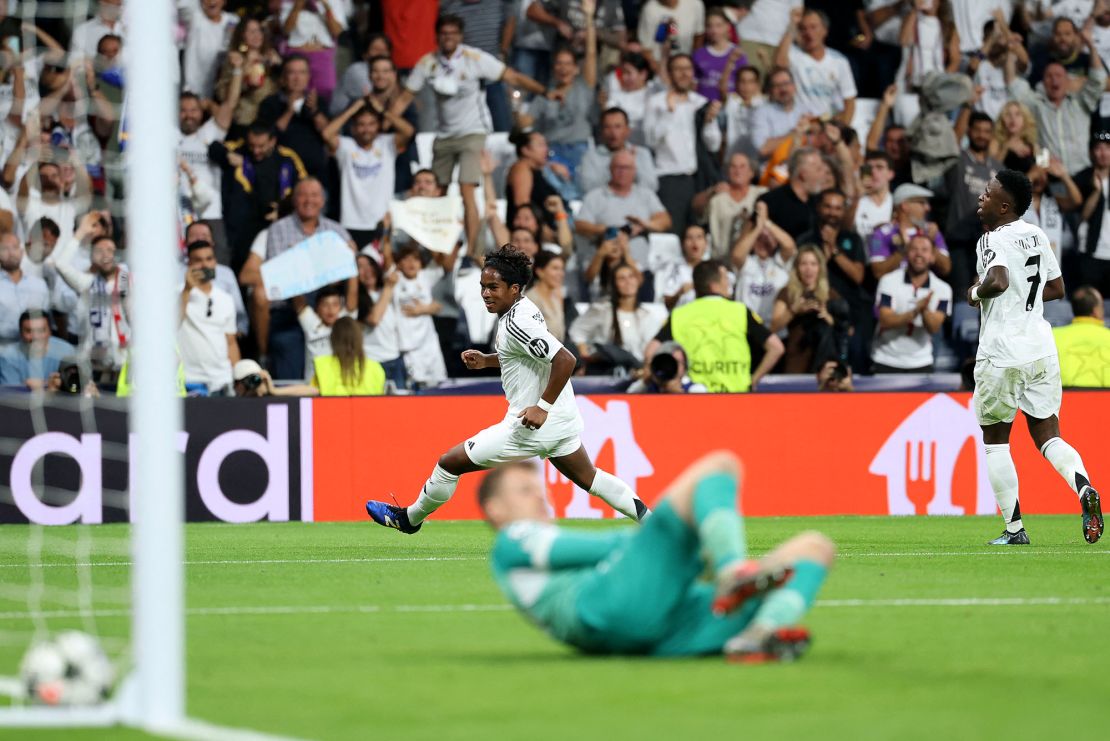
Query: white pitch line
[[246, 562], [500, 607], [251, 562]]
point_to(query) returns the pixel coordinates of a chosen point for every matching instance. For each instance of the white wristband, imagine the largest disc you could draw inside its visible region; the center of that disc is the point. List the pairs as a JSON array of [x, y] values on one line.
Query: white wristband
[[975, 293], [543, 405]]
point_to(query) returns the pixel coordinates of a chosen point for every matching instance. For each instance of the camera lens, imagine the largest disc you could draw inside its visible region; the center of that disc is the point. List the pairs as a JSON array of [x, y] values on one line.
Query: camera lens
[[664, 367]]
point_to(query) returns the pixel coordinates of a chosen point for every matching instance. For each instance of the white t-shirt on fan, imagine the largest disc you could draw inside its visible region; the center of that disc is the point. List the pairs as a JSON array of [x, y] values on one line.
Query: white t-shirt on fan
[[193, 148], [366, 180]]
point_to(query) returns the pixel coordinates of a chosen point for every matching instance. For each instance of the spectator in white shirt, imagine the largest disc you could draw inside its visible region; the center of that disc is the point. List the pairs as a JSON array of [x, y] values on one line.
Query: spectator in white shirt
[[674, 282], [761, 28], [763, 257], [82, 45], [366, 165], [671, 130], [413, 298], [199, 231], [208, 36], [912, 305], [455, 73], [740, 108], [674, 25], [629, 88], [876, 205], [317, 323], [206, 339], [380, 339], [104, 292], [823, 75], [619, 319], [192, 147]]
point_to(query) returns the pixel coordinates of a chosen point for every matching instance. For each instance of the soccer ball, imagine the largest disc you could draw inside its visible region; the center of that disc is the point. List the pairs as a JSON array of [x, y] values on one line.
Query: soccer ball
[[69, 669]]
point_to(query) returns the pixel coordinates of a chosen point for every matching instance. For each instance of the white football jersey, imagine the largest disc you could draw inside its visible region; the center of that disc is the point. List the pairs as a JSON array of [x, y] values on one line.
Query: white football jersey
[[1013, 331], [525, 349]]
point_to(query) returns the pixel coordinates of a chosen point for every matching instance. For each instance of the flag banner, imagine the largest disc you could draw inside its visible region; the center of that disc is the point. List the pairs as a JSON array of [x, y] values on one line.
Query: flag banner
[[432, 222]]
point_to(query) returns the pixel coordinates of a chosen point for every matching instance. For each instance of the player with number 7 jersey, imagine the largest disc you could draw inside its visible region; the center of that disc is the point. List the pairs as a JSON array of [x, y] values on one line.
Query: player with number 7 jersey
[[1016, 366]]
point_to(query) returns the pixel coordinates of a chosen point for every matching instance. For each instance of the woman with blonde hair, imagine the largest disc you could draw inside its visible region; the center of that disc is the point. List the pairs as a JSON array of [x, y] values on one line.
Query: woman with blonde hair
[[347, 371], [1015, 137], [803, 309]]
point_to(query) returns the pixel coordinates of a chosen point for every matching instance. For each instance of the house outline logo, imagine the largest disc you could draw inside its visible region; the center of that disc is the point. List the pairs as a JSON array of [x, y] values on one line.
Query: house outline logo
[[612, 422], [924, 448]]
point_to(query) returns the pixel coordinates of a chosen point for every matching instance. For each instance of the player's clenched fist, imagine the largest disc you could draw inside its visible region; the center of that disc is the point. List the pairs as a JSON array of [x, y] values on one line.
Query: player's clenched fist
[[473, 359]]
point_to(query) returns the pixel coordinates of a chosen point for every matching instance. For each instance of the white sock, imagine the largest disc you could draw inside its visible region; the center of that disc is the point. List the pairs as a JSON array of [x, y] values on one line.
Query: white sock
[[437, 490], [1004, 481], [1065, 459], [617, 495]]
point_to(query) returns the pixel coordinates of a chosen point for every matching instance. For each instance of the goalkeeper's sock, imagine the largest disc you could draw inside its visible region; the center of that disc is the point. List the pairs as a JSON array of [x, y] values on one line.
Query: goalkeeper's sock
[[437, 490], [1004, 480], [720, 528], [786, 605], [617, 495], [1065, 459]]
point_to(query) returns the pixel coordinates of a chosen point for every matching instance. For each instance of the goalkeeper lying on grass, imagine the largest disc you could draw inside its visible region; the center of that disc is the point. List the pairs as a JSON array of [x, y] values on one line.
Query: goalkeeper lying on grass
[[637, 590]]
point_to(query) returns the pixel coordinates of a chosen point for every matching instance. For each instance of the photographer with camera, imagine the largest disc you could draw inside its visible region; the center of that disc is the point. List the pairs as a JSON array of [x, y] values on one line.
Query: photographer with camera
[[252, 381], [719, 335], [206, 337], [613, 333], [666, 373], [912, 305]]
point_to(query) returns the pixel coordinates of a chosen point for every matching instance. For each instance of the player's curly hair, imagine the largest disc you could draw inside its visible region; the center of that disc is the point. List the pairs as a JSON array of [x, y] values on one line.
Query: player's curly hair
[[514, 267], [1017, 185]]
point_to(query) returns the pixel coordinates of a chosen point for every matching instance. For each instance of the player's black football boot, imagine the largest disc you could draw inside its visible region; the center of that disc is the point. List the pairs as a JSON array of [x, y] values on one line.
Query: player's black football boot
[[391, 515], [1092, 515], [1008, 538]]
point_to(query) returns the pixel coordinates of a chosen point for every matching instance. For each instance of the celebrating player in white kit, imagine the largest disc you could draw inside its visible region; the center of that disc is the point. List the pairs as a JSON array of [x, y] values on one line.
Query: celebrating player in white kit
[[1017, 366], [543, 418]]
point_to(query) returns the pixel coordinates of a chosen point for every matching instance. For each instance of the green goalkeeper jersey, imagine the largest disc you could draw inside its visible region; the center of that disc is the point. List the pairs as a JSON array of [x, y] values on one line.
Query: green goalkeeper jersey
[[541, 568]]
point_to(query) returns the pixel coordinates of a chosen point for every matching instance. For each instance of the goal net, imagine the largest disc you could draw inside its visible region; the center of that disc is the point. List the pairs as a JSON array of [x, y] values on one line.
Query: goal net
[[91, 560]]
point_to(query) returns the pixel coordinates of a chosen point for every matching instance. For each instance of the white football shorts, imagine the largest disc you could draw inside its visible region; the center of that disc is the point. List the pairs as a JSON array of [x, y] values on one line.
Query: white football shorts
[[1033, 388], [509, 441]]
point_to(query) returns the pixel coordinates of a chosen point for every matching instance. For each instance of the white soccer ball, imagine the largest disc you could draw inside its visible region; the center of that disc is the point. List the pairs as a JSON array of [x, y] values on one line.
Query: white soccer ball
[[69, 669]]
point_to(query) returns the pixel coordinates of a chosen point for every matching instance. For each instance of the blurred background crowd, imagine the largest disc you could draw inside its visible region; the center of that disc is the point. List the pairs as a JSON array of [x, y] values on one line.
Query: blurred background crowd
[[814, 164]]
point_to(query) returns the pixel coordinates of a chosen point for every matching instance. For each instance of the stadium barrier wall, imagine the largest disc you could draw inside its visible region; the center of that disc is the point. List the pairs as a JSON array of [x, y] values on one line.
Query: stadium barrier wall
[[320, 459]]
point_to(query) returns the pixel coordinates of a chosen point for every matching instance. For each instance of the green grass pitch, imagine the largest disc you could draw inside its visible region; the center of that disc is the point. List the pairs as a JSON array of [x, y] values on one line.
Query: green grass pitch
[[349, 631]]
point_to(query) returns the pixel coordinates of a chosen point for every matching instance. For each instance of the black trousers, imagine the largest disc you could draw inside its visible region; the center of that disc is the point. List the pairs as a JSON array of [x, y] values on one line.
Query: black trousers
[[676, 192]]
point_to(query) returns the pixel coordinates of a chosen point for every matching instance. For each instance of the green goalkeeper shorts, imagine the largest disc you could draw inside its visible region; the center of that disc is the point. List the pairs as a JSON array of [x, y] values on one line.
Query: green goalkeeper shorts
[[646, 598]]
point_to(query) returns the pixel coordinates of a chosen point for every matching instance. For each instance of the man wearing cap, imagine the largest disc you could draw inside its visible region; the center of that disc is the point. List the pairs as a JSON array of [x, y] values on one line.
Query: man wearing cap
[[252, 380], [889, 241]]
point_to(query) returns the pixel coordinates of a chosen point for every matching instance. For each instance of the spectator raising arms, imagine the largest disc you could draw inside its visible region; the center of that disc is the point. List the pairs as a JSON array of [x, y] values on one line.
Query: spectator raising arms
[[376, 310], [764, 257], [455, 73], [366, 164]]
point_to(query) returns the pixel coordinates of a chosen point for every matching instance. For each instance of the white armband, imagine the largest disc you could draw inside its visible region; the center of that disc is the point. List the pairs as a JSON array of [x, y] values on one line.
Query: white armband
[[975, 293], [543, 405]]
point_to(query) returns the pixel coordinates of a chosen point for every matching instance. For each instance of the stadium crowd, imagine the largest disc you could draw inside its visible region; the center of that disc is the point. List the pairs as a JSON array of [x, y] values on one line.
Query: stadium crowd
[[815, 166]]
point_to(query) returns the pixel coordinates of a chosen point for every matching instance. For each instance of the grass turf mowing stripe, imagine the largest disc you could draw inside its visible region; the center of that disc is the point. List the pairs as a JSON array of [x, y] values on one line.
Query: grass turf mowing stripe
[[309, 561], [368, 609]]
